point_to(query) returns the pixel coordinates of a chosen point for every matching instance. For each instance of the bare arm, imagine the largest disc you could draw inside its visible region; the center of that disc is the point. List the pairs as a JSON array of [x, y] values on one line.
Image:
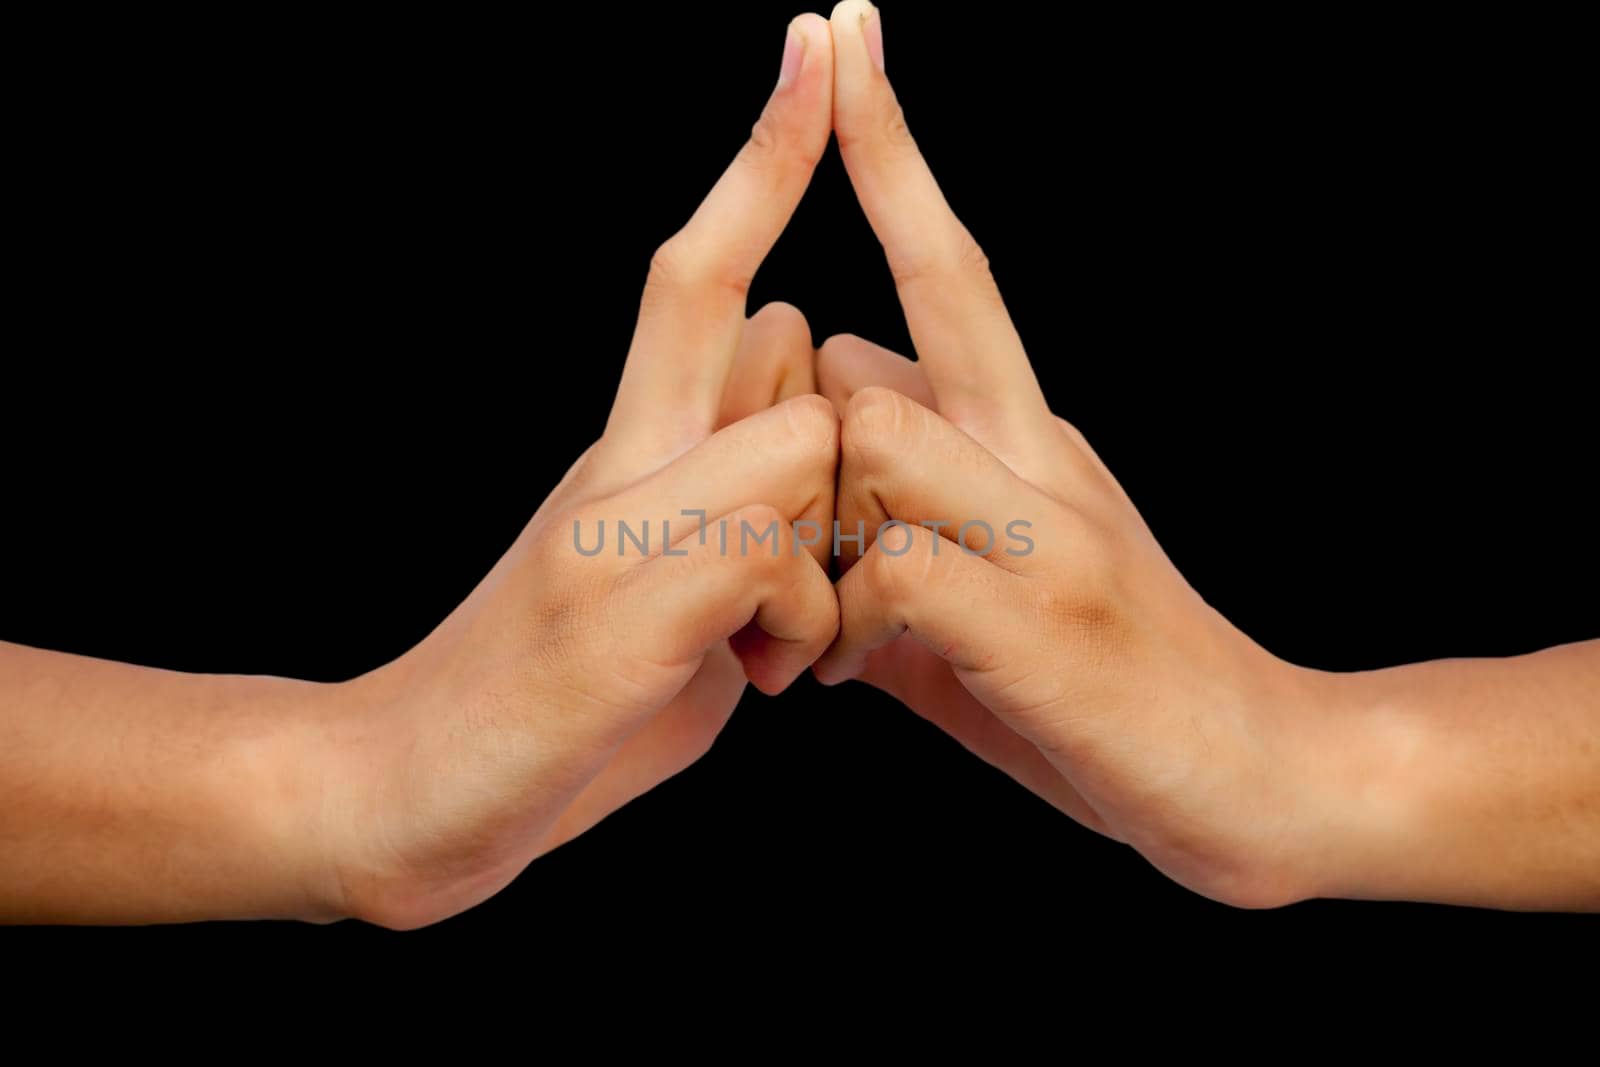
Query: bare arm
[[132, 794], [1465, 781], [1089, 670], [566, 685]]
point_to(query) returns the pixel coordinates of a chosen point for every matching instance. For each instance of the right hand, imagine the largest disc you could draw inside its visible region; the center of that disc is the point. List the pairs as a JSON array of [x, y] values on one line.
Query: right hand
[[1089, 670]]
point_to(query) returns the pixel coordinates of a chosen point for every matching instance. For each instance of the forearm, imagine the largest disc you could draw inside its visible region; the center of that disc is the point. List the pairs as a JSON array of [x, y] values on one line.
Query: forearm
[[129, 794], [1463, 781]]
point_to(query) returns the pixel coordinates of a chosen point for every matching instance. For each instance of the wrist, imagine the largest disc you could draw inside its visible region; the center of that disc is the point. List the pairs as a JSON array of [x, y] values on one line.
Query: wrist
[[297, 805], [350, 754], [1362, 761], [240, 807], [388, 853]]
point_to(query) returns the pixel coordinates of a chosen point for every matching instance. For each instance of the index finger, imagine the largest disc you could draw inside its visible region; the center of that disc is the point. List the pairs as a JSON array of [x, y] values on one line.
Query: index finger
[[973, 356], [693, 308]]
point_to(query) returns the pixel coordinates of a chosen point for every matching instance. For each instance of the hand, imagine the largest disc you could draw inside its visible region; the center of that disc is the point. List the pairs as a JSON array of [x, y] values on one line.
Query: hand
[[565, 685], [1086, 668]]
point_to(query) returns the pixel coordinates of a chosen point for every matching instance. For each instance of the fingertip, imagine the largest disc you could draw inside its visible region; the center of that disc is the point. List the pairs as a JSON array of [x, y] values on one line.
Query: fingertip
[[857, 32], [813, 55], [813, 25], [797, 120], [851, 14]]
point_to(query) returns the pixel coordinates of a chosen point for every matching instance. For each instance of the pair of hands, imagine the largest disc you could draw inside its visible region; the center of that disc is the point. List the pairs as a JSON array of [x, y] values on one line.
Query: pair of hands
[[565, 686]]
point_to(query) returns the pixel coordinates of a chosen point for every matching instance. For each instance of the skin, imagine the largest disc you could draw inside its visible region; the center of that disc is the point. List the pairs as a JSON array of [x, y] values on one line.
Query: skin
[[564, 687], [1093, 674]]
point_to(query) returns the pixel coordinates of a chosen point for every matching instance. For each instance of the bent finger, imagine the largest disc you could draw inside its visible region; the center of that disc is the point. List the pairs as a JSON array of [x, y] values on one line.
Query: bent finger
[[775, 361]]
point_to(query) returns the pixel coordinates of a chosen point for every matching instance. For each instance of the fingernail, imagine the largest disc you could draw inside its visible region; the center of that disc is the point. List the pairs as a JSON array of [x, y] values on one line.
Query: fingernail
[[794, 50], [872, 30]]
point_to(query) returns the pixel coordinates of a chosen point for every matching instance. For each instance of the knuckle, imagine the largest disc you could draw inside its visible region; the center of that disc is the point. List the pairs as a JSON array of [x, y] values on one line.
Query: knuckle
[[775, 145], [667, 262], [838, 346], [813, 427], [1074, 434], [848, 134], [765, 139], [896, 134], [887, 577], [875, 421], [667, 271], [961, 261], [782, 315], [880, 130], [971, 257], [676, 273], [894, 577], [832, 357], [908, 270]]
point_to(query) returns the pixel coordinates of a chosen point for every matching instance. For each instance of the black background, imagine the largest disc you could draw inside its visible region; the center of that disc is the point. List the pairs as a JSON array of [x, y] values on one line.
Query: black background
[[304, 320]]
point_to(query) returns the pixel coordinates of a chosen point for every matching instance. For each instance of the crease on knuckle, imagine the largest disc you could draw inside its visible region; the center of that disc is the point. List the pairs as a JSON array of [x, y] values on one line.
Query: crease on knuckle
[[880, 127], [675, 274], [974, 264], [875, 423], [960, 265], [972, 258], [814, 428], [666, 262], [895, 578], [896, 133], [764, 148], [774, 146], [888, 578], [666, 274]]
